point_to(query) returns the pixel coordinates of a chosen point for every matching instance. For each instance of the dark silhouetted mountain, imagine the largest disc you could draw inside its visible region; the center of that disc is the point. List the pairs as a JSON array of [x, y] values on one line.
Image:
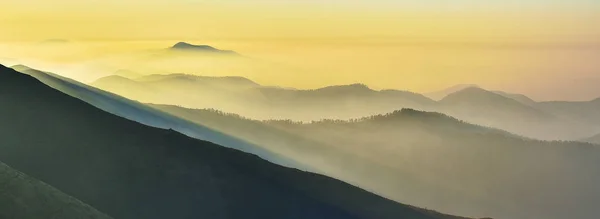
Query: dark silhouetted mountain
[[129, 170], [183, 46], [146, 115], [24, 197], [438, 95]]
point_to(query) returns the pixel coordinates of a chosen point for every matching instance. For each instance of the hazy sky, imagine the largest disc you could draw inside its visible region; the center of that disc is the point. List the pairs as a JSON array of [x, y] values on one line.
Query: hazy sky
[[416, 45], [174, 19]]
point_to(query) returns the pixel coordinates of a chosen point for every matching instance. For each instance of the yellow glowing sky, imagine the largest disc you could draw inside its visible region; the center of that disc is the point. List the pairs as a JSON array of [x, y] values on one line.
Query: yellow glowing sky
[[414, 45]]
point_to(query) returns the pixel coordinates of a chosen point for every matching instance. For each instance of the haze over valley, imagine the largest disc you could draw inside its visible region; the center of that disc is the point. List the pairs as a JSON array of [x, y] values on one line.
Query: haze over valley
[[366, 109]]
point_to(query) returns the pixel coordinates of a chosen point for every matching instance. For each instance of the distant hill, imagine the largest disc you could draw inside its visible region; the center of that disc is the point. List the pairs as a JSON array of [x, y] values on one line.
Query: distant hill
[[587, 112], [228, 81], [234, 93], [243, 96], [127, 74], [129, 170], [518, 97], [183, 46], [409, 153], [479, 171], [141, 113], [515, 113], [510, 113], [438, 95], [24, 197]]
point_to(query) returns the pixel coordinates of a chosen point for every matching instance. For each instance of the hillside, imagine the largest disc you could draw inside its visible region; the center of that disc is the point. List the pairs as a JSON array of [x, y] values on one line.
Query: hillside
[[480, 171], [431, 159], [243, 96], [518, 97], [515, 113], [129, 170], [438, 95], [587, 112], [512, 113], [24, 197], [146, 115]]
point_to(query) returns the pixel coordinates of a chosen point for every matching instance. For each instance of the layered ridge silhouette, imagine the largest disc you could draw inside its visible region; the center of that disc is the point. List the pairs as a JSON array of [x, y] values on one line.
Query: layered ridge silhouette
[[129, 170], [515, 113], [431, 159], [139, 112]]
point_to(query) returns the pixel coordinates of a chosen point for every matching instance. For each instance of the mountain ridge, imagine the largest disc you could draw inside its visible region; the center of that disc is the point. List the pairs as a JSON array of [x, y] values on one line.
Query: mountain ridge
[[408, 153], [126, 166]]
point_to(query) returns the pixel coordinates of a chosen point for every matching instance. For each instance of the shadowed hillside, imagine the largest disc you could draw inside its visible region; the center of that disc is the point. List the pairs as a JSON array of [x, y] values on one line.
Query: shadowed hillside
[[146, 115], [433, 160], [129, 170], [24, 197]]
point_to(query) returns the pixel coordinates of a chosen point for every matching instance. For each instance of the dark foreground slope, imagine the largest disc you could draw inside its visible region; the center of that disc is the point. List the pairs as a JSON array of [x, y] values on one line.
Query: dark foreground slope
[[129, 170], [138, 112], [24, 197]]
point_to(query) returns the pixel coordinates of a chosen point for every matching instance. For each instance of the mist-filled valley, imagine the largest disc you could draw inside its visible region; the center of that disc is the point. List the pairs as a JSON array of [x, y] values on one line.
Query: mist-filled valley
[[129, 170], [474, 150], [397, 149], [420, 157], [282, 109]]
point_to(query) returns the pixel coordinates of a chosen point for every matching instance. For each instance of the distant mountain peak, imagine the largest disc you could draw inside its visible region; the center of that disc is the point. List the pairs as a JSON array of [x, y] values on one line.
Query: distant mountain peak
[[355, 86], [438, 95], [473, 89], [473, 94], [192, 77], [518, 97], [183, 46]]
